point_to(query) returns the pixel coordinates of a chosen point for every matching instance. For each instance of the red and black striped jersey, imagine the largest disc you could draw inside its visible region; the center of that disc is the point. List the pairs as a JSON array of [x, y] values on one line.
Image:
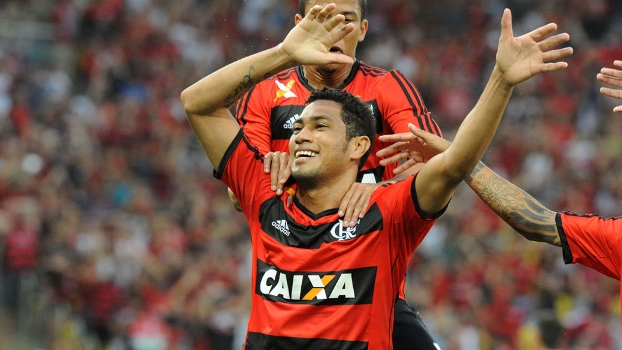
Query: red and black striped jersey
[[267, 112], [592, 241], [317, 284]]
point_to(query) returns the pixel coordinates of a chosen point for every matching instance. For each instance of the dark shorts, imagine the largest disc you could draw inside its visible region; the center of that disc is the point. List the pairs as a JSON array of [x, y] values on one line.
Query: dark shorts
[[409, 331]]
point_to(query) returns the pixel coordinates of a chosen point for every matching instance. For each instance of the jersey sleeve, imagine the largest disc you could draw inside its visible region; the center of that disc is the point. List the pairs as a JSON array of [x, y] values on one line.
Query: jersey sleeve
[[253, 114], [408, 222], [241, 169], [592, 241], [400, 103]]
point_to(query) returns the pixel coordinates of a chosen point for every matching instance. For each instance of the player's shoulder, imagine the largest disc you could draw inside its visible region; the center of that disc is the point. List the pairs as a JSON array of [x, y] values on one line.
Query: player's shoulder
[[286, 74], [382, 78], [388, 190], [370, 71]]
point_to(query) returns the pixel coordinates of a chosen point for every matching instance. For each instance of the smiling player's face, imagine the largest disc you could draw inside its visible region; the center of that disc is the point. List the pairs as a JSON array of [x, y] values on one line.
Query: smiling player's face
[[318, 147]]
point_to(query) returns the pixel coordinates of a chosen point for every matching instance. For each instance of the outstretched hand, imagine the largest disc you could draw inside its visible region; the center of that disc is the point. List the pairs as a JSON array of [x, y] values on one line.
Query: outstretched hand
[[521, 58], [309, 42], [410, 148], [612, 77]]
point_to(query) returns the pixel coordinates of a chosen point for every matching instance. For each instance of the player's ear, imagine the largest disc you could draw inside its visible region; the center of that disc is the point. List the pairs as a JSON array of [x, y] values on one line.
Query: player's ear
[[363, 30], [297, 18], [359, 146]]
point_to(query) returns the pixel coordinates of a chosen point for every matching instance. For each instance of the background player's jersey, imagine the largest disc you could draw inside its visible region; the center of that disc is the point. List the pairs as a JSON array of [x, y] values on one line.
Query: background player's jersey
[[592, 241], [267, 112], [317, 284]]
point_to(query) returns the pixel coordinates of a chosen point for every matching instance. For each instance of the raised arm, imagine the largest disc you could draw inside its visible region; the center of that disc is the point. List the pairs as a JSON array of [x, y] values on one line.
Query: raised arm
[[206, 102], [518, 59], [516, 207]]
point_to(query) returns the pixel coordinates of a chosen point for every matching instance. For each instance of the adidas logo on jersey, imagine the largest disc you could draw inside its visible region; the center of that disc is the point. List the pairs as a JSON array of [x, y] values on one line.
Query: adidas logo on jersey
[[281, 225], [290, 123]]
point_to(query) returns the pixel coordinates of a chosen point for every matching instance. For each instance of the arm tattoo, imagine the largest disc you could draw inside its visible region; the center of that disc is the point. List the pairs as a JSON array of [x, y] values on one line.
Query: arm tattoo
[[245, 84], [515, 206]]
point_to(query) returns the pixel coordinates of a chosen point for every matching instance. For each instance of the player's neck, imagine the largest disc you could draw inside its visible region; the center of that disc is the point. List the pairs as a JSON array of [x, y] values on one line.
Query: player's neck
[[325, 194], [332, 76]]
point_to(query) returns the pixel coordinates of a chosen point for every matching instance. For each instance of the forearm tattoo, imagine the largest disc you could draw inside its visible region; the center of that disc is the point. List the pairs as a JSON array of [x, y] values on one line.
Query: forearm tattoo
[[515, 206], [245, 84]]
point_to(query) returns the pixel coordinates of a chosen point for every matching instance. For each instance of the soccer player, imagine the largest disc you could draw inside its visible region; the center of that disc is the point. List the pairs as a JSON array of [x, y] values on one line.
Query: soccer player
[[317, 284], [268, 111], [585, 239]]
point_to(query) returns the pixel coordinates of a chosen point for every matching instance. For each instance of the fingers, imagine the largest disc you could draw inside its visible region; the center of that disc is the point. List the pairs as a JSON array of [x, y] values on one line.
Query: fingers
[[334, 22], [345, 201], [404, 166], [542, 32], [285, 172], [322, 15], [267, 162], [612, 77], [323, 28], [551, 67], [274, 175], [392, 149], [319, 13], [355, 202], [401, 137], [553, 55], [277, 165], [611, 92], [553, 41], [349, 208], [325, 12], [609, 80], [394, 159], [557, 54]]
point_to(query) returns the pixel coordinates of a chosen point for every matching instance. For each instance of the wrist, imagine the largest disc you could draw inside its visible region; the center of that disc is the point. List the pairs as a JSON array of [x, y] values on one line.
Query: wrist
[[501, 82], [283, 58]]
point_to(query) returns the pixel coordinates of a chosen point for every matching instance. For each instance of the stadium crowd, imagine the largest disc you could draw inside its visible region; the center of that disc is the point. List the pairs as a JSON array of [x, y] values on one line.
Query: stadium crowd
[[115, 234]]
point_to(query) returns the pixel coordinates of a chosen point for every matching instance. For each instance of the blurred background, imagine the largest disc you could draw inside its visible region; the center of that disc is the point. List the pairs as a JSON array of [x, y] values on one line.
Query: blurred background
[[114, 234]]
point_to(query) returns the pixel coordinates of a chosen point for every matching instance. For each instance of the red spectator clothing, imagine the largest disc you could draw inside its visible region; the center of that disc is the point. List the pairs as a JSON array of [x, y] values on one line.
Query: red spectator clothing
[[316, 284], [592, 241], [267, 112], [21, 248]]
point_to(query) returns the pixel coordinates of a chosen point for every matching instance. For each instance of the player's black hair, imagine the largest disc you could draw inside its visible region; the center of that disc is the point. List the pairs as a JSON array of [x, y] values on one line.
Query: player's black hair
[[303, 3], [356, 115]]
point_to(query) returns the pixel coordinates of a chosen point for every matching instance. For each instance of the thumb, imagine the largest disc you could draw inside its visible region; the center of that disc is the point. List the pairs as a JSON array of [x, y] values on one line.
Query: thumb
[[340, 58], [506, 25]]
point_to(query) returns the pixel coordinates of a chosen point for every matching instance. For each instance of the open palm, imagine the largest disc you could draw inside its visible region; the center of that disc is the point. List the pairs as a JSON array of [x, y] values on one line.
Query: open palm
[[309, 42], [528, 55]]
